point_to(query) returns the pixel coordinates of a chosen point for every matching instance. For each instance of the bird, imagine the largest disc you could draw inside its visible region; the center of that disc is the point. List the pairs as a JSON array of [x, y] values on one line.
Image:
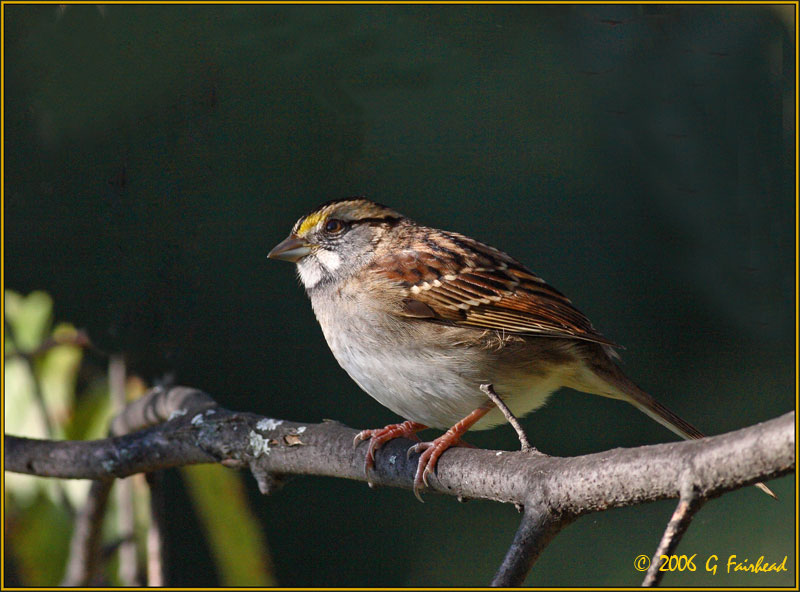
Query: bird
[[422, 318]]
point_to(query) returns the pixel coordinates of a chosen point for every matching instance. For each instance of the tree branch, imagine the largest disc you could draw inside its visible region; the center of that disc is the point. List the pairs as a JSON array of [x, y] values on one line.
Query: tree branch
[[553, 491], [536, 529]]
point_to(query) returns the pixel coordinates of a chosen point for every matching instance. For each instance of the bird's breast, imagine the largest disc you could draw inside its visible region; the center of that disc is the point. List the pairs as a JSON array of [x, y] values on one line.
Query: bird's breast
[[428, 374]]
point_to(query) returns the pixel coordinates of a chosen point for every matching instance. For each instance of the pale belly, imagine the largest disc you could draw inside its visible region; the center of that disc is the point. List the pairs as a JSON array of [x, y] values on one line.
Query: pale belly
[[440, 389], [438, 394]]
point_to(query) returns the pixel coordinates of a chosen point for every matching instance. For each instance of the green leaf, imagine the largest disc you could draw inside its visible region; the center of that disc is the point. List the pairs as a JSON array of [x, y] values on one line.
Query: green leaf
[[8, 343], [29, 317], [93, 412], [22, 417], [39, 531], [233, 532], [57, 369]]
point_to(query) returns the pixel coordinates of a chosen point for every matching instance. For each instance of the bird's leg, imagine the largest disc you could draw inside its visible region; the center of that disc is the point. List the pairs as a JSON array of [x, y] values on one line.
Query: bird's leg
[[431, 451], [379, 437], [510, 417]]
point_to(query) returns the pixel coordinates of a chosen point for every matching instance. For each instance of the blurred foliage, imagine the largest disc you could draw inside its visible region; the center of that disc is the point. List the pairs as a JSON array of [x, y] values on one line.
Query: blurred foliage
[[234, 534], [41, 369], [39, 384], [42, 400]]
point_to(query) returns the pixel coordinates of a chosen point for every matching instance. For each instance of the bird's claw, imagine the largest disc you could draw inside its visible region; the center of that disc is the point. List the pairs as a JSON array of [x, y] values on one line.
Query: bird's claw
[[415, 449], [379, 437], [417, 494], [431, 451], [361, 436]]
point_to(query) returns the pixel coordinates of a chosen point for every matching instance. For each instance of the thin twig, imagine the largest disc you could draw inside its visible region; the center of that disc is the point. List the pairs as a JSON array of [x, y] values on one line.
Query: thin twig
[[128, 568], [38, 396], [688, 505], [157, 406], [156, 557], [523, 439], [128, 564], [84, 548], [78, 339]]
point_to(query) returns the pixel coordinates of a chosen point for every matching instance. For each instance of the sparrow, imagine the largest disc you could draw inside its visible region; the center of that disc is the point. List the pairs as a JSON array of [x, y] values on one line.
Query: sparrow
[[422, 318]]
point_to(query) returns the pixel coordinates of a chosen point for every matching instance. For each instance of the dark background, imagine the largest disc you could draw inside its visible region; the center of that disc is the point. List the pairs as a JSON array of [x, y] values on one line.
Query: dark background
[[639, 158]]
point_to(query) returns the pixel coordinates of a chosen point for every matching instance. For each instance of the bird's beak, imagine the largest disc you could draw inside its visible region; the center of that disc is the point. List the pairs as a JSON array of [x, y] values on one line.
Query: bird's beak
[[293, 248]]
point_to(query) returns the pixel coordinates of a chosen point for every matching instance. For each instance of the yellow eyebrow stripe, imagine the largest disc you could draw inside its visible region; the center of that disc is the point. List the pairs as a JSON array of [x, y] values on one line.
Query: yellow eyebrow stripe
[[309, 223]]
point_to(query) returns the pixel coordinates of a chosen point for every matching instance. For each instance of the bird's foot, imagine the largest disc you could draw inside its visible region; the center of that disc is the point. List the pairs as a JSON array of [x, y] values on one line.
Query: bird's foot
[[430, 453], [379, 437]]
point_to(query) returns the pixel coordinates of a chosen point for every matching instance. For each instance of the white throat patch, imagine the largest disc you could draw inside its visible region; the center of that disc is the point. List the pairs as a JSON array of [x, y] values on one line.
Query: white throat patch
[[312, 268], [330, 259], [309, 271]]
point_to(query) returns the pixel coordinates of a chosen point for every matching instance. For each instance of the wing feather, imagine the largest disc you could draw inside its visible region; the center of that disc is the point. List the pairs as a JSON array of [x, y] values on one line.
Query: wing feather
[[466, 283]]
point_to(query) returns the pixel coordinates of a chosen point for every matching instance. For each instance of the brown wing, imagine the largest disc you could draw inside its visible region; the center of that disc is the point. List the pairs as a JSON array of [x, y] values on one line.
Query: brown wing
[[485, 288]]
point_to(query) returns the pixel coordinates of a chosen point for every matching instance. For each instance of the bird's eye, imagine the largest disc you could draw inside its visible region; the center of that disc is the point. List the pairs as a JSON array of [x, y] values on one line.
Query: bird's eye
[[334, 226]]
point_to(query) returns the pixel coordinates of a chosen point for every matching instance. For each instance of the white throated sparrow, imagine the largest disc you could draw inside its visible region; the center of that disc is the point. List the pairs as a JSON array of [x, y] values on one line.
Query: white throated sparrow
[[420, 318]]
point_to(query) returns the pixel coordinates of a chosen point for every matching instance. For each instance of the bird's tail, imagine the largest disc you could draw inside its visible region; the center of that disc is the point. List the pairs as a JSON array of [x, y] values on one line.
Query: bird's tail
[[626, 390]]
